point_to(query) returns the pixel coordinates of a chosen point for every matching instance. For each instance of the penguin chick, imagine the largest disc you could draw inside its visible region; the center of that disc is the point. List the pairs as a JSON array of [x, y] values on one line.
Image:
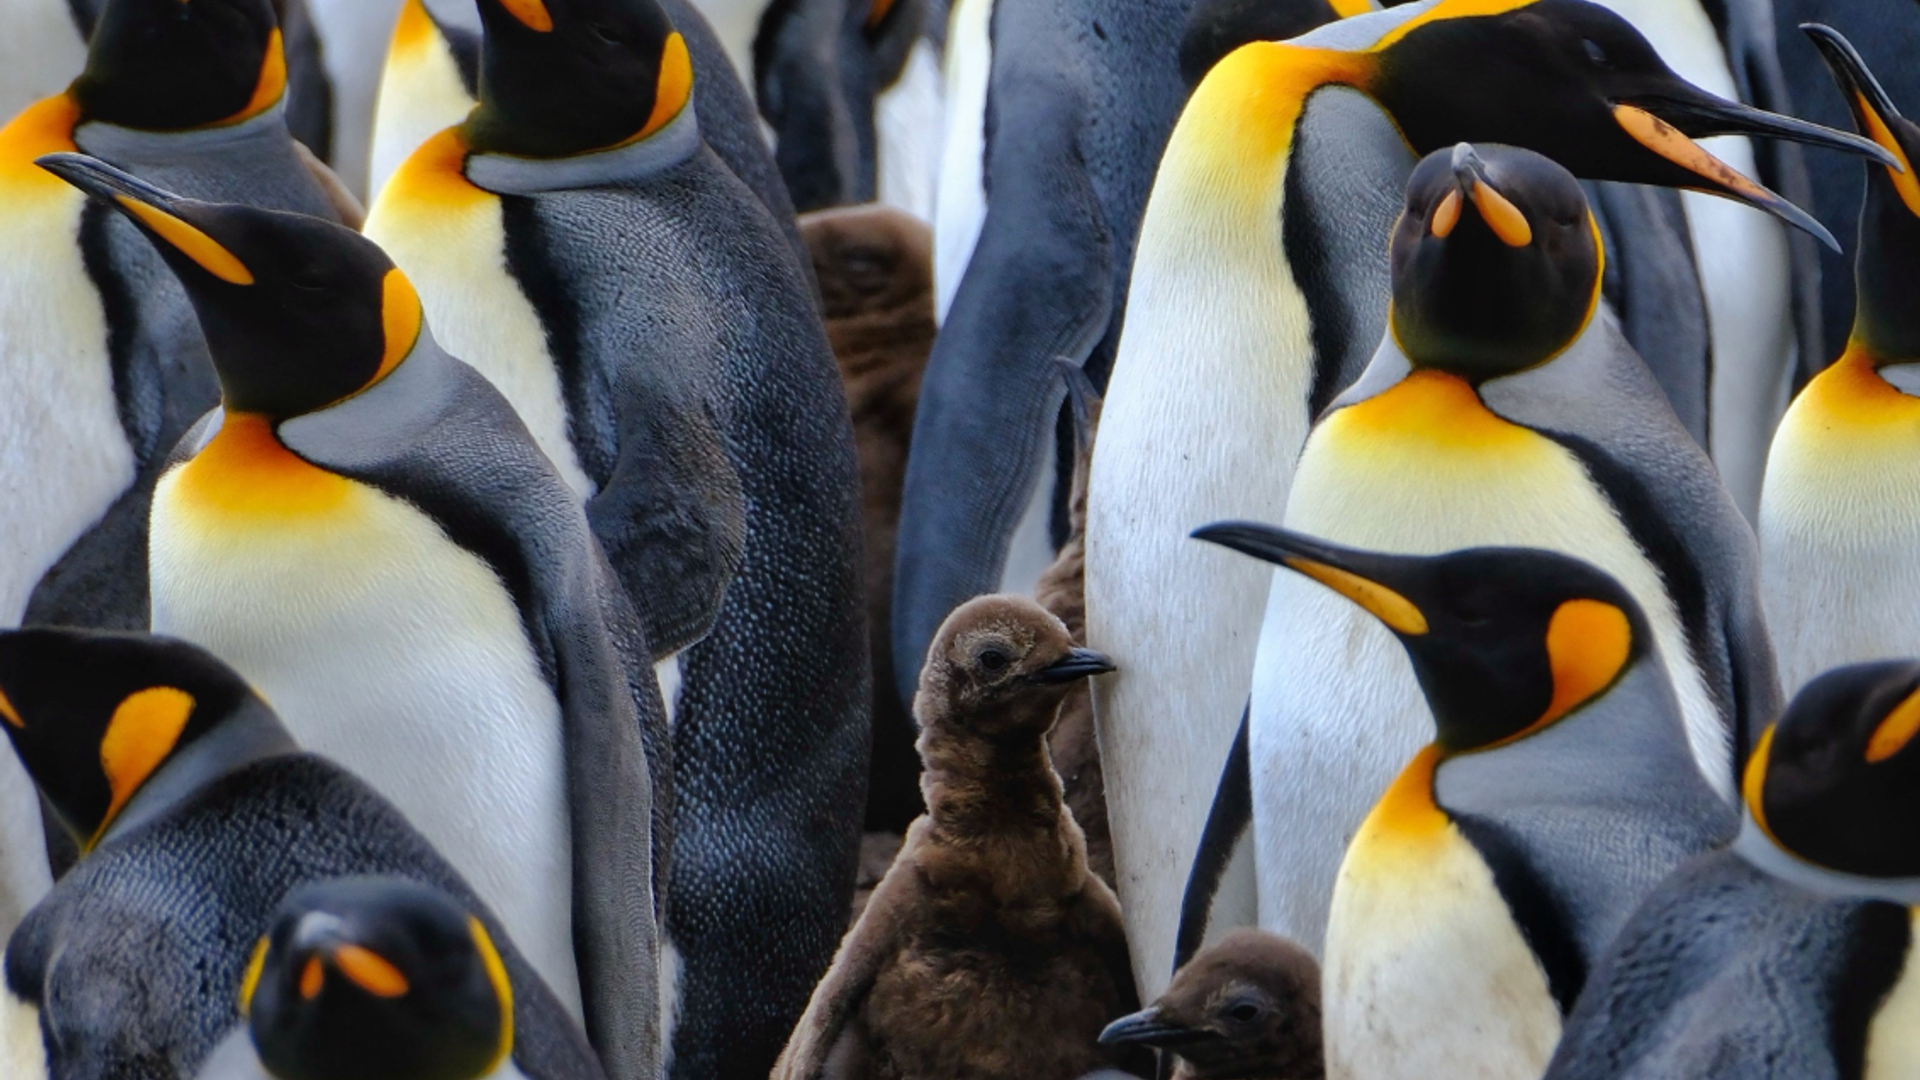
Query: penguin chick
[[988, 949], [1790, 952], [1247, 1008], [1062, 590], [371, 978]]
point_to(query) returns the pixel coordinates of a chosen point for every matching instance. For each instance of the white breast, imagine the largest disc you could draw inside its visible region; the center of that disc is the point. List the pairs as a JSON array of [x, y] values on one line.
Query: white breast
[[454, 251], [1893, 1039], [909, 118], [389, 649], [960, 197], [23, 1051]]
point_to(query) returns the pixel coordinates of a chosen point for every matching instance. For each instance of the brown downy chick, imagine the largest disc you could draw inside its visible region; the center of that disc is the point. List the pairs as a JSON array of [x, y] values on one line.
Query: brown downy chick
[[1247, 1008], [989, 950], [1062, 590]]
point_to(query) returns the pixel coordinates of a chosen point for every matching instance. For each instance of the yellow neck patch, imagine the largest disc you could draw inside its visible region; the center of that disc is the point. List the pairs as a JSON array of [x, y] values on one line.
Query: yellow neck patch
[[8, 713], [532, 14], [434, 176], [1851, 394], [246, 472], [45, 127], [413, 31], [272, 84], [143, 731], [1379, 601], [675, 85], [1406, 816], [502, 988], [1906, 183], [1434, 407], [204, 250], [1450, 9], [1896, 731], [1244, 111], [1347, 9]]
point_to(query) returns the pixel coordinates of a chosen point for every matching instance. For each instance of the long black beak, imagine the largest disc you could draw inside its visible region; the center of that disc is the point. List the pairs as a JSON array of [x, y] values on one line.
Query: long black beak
[[1376, 582], [1146, 1028], [1873, 111], [1077, 664], [1701, 115], [174, 224]]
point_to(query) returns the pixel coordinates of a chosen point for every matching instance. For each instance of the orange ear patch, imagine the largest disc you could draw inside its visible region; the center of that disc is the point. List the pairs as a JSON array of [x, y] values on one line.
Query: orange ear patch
[[1896, 731], [9, 713], [1588, 642], [400, 321], [502, 987], [143, 731], [674, 87], [273, 80], [250, 982]]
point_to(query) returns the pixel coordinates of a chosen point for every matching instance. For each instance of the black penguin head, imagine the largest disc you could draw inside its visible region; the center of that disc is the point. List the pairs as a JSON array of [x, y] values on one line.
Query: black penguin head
[[1505, 641], [93, 716], [377, 979], [299, 313], [168, 65], [1000, 665], [1578, 83], [1886, 268], [1837, 780], [1215, 28], [1246, 1006], [560, 77], [1496, 262]]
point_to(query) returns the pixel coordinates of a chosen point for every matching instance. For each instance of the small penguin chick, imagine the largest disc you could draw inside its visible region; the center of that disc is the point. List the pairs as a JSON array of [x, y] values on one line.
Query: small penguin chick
[[989, 949], [375, 978], [1246, 1008]]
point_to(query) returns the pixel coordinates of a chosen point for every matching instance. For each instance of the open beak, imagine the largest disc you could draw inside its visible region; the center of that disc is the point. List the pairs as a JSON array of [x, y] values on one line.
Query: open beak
[[1077, 664], [1669, 124], [1146, 1028], [1471, 187], [168, 219], [1873, 111], [1359, 576]]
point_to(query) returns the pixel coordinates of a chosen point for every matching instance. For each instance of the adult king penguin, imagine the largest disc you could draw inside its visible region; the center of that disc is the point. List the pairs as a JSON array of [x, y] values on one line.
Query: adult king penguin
[[1503, 408], [102, 366], [1558, 791], [200, 815], [1077, 104], [579, 243], [382, 978], [365, 531], [1259, 292], [1838, 521], [1789, 953]]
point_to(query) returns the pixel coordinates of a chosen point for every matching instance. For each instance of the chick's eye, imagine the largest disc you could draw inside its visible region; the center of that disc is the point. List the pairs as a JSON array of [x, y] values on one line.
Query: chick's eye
[[1245, 1012], [993, 661], [1596, 53]]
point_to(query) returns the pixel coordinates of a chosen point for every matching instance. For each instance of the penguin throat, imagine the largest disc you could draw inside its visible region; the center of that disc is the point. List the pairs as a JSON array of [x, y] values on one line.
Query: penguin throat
[[1439, 408], [636, 159], [246, 471], [1853, 392], [976, 786], [1408, 816]]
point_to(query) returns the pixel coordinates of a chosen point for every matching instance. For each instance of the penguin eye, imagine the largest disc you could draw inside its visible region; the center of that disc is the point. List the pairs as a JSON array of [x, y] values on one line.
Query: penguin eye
[[1596, 53], [993, 661], [307, 279], [1243, 1012], [606, 33]]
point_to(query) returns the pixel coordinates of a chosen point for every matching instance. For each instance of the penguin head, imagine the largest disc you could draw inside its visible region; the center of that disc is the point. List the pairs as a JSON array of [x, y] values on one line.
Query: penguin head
[[93, 716], [1504, 641], [299, 313], [1834, 781], [1496, 262], [377, 978], [1248, 1005], [1887, 265], [561, 77], [1000, 665], [169, 65], [1578, 83]]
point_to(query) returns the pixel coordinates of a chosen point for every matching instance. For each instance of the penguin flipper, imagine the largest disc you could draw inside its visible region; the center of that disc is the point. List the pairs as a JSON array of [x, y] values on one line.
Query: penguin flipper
[[815, 1051], [1227, 837], [1039, 286], [673, 522]]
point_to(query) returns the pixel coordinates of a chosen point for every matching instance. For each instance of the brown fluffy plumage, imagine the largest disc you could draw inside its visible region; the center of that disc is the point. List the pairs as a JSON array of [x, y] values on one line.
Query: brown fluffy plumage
[[989, 950], [1246, 1008]]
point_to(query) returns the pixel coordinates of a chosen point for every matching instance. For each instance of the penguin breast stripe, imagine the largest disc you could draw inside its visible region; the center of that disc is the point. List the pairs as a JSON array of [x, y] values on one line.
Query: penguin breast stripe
[[246, 471]]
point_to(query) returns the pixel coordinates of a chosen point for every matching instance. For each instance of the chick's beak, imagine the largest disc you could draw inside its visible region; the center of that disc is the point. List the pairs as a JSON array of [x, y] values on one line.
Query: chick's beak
[[1077, 664]]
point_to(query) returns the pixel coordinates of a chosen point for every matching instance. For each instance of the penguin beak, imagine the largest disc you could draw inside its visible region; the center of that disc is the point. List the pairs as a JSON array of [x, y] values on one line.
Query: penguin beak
[[1667, 125], [1378, 583], [1873, 111], [171, 222], [1471, 186], [1077, 664], [321, 939], [1146, 1028]]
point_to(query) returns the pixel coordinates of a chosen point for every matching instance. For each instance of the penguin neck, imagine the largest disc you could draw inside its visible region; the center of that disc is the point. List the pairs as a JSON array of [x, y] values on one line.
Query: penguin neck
[[639, 160], [251, 734], [137, 149], [1764, 853], [978, 787]]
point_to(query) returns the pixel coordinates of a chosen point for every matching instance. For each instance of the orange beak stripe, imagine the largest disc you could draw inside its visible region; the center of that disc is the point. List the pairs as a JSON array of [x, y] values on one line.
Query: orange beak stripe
[[1446, 215], [1666, 140], [1504, 218]]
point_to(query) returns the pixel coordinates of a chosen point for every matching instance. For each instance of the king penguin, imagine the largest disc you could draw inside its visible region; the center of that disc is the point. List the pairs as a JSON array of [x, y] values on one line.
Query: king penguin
[[199, 815], [102, 366], [1558, 791], [581, 245], [445, 628], [1789, 952], [1076, 104], [1502, 408], [382, 978], [1259, 292], [1839, 521]]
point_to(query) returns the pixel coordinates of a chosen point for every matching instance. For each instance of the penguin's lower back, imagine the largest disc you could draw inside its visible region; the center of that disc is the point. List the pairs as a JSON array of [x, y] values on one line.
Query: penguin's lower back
[[1422, 468], [1426, 973], [387, 647]]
